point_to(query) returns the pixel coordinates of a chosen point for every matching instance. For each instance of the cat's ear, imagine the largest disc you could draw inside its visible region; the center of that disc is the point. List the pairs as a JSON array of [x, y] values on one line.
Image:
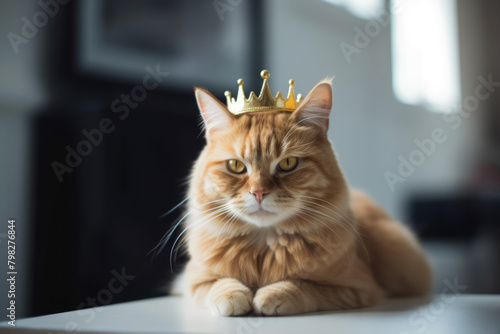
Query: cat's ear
[[215, 114], [315, 109]]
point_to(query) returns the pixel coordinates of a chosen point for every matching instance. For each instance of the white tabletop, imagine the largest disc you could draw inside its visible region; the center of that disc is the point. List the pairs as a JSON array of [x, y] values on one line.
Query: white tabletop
[[437, 314]]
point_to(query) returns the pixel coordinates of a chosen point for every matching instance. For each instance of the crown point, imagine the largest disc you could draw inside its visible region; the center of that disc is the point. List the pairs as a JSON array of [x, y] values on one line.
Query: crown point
[[227, 93], [299, 97], [291, 82], [265, 74], [240, 82]]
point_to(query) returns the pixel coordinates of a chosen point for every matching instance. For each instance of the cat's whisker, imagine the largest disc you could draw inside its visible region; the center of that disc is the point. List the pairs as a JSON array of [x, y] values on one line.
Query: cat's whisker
[[174, 208], [224, 211], [201, 224], [332, 230], [335, 234], [359, 226], [235, 214], [222, 229], [232, 219], [164, 240], [348, 219], [355, 235], [182, 241], [354, 227], [350, 223], [211, 202], [346, 223], [199, 206], [340, 222]]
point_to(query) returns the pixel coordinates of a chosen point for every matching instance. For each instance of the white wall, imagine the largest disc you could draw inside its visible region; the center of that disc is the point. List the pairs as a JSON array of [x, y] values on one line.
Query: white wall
[[20, 80], [368, 127]]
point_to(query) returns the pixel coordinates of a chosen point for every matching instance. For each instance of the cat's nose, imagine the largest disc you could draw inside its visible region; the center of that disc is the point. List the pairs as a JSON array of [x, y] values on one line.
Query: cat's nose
[[259, 194]]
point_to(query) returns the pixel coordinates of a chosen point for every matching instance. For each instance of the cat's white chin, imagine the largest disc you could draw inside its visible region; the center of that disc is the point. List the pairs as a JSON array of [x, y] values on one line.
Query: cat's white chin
[[263, 218]]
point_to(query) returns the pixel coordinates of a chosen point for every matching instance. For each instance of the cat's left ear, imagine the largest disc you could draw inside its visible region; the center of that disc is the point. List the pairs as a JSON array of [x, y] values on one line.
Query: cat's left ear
[[315, 109], [215, 114]]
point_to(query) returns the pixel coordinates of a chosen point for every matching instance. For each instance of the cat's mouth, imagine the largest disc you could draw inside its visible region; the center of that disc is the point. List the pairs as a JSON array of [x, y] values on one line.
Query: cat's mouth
[[262, 212], [262, 217]]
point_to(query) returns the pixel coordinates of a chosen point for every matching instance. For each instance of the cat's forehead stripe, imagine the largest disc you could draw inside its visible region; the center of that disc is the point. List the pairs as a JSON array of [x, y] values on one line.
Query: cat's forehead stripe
[[261, 135]]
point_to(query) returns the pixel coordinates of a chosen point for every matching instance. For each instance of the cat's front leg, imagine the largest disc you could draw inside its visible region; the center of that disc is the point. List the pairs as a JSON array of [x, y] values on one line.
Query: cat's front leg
[[282, 298], [299, 296], [229, 297], [224, 296]]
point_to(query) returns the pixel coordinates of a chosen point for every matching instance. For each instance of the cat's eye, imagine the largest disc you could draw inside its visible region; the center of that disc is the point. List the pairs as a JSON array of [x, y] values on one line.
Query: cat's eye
[[288, 164], [236, 166]]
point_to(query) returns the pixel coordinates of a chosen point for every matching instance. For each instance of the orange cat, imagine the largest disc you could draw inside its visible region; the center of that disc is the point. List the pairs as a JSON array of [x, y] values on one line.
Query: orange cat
[[274, 228]]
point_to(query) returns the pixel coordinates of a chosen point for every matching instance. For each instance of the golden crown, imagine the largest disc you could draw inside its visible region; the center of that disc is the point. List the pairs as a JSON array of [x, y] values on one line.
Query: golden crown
[[265, 101]]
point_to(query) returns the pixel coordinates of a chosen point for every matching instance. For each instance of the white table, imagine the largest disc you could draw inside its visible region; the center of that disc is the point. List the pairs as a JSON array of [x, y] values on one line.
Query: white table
[[438, 314]]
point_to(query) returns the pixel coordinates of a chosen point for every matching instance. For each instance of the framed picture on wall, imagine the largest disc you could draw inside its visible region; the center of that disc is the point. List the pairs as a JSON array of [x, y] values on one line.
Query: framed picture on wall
[[196, 42]]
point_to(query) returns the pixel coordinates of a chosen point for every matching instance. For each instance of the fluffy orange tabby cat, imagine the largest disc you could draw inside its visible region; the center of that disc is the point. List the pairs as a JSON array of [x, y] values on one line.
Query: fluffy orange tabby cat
[[273, 226]]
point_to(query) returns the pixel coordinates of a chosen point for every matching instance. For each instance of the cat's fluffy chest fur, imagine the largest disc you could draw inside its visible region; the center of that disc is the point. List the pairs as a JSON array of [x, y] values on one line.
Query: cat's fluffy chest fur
[[259, 258]]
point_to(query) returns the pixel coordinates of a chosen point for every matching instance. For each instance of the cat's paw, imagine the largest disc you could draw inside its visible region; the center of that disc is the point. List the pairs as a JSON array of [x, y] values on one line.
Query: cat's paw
[[280, 298], [229, 297]]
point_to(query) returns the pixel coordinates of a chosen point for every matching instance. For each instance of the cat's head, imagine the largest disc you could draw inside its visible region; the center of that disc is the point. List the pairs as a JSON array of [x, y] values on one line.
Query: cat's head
[[264, 168]]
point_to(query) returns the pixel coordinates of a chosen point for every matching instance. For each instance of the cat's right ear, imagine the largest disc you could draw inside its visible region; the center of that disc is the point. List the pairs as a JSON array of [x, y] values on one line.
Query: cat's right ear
[[315, 109], [215, 114]]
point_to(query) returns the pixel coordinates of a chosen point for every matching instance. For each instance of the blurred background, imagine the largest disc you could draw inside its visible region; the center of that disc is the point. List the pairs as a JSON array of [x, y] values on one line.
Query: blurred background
[[99, 126]]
